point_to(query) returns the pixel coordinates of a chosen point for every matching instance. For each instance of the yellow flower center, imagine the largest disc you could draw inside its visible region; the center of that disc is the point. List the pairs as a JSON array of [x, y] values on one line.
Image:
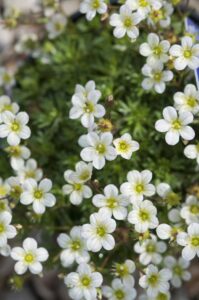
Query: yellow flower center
[[123, 146], [101, 149], [194, 209], [153, 280], [173, 199], [30, 174], [88, 107], [15, 126], [191, 102], [16, 191], [2, 206], [111, 202], [143, 3], [75, 245], [29, 258], [58, 26], [195, 241], [157, 76], [38, 194], [101, 231], [187, 53], [156, 15], [6, 107], [178, 270], [162, 296], [96, 4], [144, 215], [77, 186], [15, 151], [2, 228], [128, 22], [176, 125], [119, 294], [6, 78], [121, 270], [86, 281], [157, 50], [139, 188], [85, 175], [150, 248], [3, 191]]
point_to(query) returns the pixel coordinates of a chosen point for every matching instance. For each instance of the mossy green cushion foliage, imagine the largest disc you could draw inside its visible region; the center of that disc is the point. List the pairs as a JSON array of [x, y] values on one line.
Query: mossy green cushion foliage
[[89, 51]]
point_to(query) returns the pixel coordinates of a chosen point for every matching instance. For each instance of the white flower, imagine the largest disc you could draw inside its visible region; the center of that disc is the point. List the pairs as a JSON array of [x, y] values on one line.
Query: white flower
[[175, 125], [15, 187], [157, 77], [7, 231], [75, 188], [118, 291], [27, 43], [190, 241], [143, 216], [86, 107], [178, 269], [29, 257], [83, 284], [4, 188], [192, 152], [190, 210], [143, 7], [125, 23], [155, 281], [160, 17], [111, 202], [83, 91], [29, 170], [125, 146], [92, 7], [98, 232], [98, 149], [150, 250], [14, 127], [56, 25], [138, 185], [187, 101], [185, 55], [165, 231], [165, 192], [155, 50], [4, 205], [74, 247], [38, 195], [7, 105], [83, 172], [6, 78], [18, 155], [124, 271]]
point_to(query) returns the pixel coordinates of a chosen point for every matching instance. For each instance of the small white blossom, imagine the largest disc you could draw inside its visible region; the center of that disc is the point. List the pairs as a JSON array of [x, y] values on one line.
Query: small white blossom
[[56, 25], [156, 77], [6, 78], [27, 43], [124, 271], [175, 125], [155, 50], [111, 202], [119, 290], [7, 105], [178, 269], [38, 195], [190, 210], [75, 188], [74, 247], [4, 188], [161, 17], [190, 241], [143, 7], [83, 283], [192, 152], [98, 232], [14, 127], [15, 187], [29, 170], [143, 216], [150, 250], [7, 231], [125, 146], [125, 23], [99, 149], [155, 281], [29, 257], [4, 206], [187, 101], [18, 154], [92, 7], [138, 185], [185, 55], [165, 231], [83, 172], [85, 105]]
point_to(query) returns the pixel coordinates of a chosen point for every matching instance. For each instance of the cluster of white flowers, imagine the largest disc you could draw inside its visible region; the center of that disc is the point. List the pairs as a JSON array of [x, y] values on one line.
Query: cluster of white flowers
[[26, 187]]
